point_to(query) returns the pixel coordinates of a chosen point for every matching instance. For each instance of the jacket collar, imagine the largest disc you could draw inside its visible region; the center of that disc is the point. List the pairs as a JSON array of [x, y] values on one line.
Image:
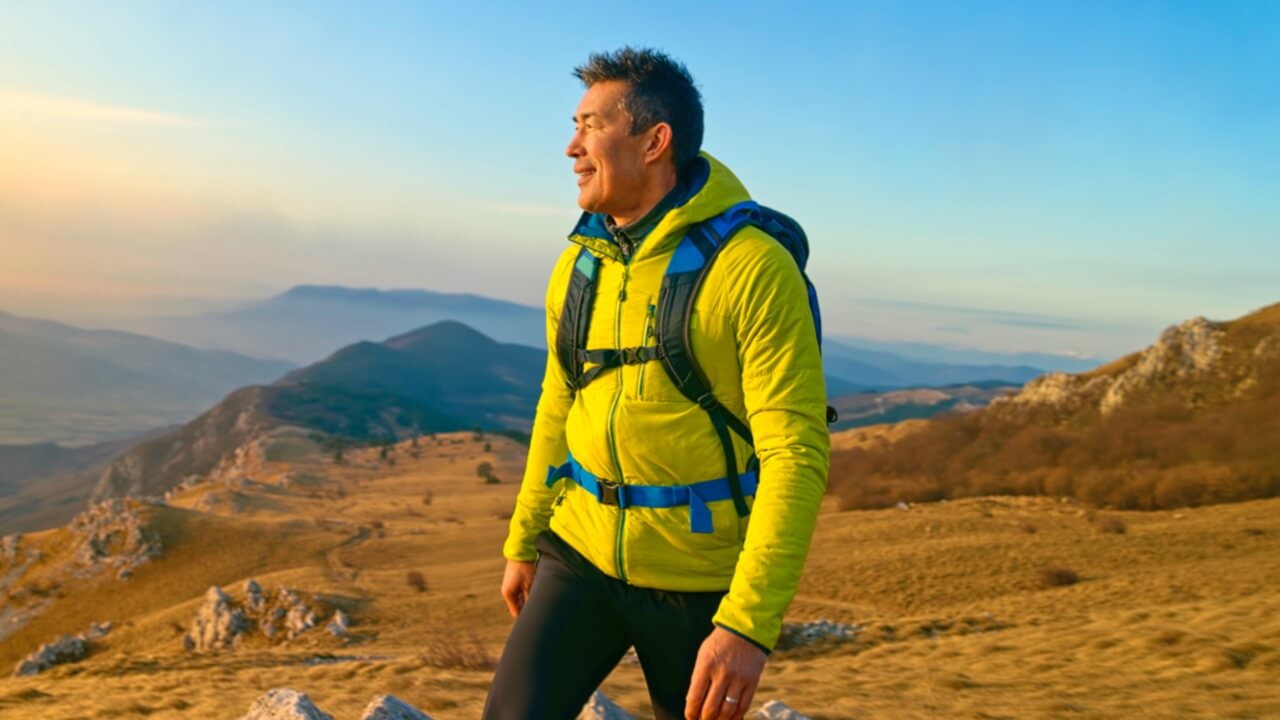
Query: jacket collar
[[710, 189]]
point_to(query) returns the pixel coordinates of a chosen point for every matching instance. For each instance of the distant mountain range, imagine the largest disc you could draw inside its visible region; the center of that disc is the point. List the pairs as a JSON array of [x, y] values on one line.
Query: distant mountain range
[[71, 385], [891, 406], [308, 322], [1192, 419], [877, 369], [438, 378], [949, 355]]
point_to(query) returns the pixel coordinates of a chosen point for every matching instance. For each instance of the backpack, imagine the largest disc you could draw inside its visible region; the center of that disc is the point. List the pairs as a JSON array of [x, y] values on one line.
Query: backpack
[[680, 285]]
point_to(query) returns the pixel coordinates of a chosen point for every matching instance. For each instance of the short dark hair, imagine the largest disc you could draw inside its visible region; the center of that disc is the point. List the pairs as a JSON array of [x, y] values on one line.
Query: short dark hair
[[661, 90]]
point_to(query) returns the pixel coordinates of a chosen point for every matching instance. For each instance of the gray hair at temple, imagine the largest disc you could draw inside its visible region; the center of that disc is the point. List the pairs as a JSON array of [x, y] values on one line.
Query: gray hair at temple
[[660, 90]]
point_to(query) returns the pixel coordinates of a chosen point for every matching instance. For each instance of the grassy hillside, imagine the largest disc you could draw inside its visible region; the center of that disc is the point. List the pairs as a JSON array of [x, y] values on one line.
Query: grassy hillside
[[1193, 420], [439, 378], [1171, 617]]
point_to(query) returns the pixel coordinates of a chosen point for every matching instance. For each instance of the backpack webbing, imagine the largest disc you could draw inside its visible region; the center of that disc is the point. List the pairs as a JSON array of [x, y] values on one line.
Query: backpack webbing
[[680, 286]]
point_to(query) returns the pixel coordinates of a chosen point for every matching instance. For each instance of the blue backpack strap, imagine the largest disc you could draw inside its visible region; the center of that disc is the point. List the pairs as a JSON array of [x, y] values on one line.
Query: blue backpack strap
[[680, 285], [695, 495], [575, 317]]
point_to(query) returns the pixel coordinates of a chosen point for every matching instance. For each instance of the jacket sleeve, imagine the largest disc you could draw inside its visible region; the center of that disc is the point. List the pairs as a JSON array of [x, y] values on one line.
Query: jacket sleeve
[[547, 444], [785, 398]]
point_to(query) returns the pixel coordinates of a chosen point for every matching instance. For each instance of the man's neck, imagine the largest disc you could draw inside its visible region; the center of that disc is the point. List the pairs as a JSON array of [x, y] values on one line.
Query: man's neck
[[653, 194]]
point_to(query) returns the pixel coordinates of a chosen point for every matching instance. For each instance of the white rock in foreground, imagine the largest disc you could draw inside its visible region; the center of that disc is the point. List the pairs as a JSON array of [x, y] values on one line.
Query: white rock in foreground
[[600, 707], [285, 704], [389, 707], [778, 710]]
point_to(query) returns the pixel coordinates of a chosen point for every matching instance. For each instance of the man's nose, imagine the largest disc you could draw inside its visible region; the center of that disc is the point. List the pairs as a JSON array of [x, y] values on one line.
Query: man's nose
[[575, 149]]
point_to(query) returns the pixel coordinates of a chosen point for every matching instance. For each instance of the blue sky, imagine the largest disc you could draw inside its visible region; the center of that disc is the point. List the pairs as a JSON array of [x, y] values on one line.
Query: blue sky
[[1061, 177]]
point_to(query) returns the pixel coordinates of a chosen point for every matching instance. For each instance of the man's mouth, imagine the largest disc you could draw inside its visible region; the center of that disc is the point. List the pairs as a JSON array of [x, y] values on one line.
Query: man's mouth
[[585, 175]]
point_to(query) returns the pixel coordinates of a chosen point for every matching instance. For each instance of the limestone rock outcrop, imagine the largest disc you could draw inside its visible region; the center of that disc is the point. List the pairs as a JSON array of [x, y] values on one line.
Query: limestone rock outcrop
[[217, 625], [389, 707], [222, 622], [600, 707], [1184, 351], [285, 704], [1194, 350], [809, 633], [339, 624], [9, 545], [112, 534], [67, 648], [778, 710]]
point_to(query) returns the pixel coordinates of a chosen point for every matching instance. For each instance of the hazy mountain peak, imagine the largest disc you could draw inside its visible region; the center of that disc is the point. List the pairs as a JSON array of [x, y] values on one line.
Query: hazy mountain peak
[[445, 332]]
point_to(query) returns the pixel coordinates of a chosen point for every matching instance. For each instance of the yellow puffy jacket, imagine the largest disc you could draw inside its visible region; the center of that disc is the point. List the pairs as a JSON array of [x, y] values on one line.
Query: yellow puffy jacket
[[752, 332]]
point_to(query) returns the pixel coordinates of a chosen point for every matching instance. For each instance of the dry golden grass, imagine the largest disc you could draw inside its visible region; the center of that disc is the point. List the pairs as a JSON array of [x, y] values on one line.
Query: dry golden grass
[[1173, 618]]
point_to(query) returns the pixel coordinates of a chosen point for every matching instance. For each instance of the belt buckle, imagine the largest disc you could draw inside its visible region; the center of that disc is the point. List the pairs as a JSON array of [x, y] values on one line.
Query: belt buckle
[[609, 494]]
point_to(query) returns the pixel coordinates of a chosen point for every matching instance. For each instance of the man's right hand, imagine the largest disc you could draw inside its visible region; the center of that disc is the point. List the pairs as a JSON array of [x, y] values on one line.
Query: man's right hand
[[516, 582]]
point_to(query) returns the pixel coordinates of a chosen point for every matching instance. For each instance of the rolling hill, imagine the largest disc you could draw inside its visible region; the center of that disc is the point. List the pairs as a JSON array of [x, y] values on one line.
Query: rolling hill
[[1192, 419], [74, 386], [44, 485], [438, 378]]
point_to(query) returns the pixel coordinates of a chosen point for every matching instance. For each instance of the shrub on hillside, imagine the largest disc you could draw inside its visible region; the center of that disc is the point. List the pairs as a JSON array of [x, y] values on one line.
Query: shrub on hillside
[[1113, 524], [485, 470], [416, 580], [447, 651], [1057, 576]]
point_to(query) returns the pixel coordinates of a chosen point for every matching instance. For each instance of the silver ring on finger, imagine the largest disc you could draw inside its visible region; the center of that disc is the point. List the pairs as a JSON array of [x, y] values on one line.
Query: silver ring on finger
[[731, 700]]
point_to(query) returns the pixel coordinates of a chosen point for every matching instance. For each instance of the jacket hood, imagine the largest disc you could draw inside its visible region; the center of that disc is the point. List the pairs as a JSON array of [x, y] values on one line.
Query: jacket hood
[[711, 189]]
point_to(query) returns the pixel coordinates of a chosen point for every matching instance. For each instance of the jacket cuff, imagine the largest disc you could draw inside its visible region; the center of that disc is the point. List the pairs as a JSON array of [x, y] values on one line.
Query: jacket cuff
[[744, 636]]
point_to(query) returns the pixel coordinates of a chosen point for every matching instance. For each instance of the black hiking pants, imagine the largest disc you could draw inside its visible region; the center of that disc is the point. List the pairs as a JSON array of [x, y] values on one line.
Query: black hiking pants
[[578, 623]]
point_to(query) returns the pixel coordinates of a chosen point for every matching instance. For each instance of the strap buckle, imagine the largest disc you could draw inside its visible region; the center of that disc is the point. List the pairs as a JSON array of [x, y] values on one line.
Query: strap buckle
[[612, 493]]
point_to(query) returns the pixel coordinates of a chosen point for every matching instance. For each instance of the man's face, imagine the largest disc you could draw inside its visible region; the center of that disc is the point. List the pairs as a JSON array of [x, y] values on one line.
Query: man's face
[[608, 160]]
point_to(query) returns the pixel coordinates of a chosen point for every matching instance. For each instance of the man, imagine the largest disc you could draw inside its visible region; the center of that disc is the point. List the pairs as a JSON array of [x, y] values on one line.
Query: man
[[701, 601]]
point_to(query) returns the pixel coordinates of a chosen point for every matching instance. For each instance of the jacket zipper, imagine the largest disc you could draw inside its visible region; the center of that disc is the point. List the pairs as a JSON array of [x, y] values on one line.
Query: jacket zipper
[[613, 409], [648, 333]]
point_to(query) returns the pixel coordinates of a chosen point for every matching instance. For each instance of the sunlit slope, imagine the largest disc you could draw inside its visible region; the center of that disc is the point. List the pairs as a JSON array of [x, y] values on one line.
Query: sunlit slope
[[439, 378], [1172, 614], [1192, 419]]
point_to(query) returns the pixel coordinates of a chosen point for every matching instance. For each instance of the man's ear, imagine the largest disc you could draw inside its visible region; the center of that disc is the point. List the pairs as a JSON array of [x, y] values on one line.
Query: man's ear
[[659, 142]]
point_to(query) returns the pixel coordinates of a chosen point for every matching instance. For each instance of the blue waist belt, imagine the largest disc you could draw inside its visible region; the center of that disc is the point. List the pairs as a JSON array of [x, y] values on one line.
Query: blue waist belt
[[696, 496]]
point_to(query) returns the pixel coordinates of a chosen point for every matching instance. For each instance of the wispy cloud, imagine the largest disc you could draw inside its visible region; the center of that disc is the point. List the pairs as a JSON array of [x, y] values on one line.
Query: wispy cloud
[[1037, 323], [93, 112], [1003, 317]]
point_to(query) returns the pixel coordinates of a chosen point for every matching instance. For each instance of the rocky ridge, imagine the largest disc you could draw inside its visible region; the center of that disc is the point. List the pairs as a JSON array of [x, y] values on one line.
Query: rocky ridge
[[1190, 354], [112, 534], [222, 623], [67, 648], [795, 635]]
